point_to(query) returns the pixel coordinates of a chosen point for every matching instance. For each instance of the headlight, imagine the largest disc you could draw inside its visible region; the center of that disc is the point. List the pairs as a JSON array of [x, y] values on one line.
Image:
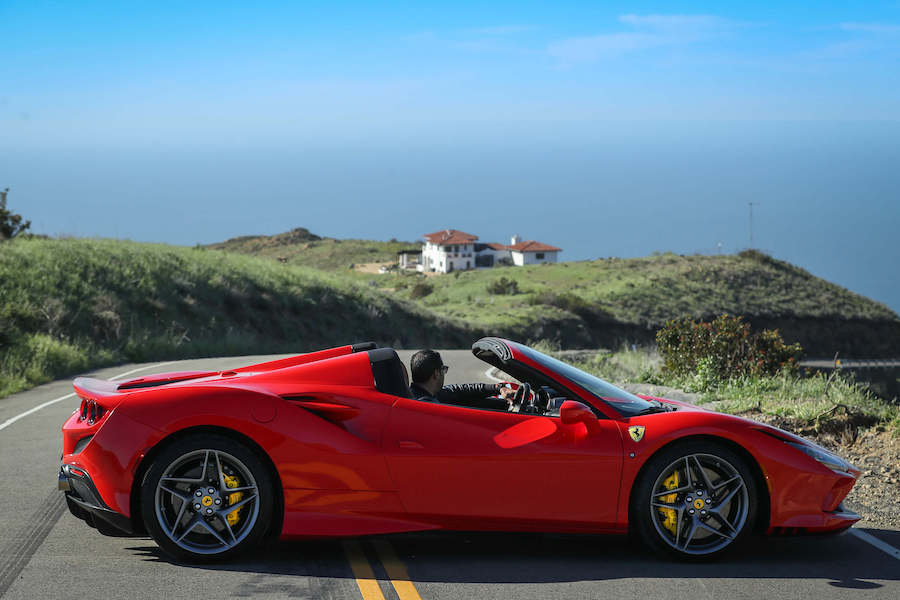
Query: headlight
[[832, 461]]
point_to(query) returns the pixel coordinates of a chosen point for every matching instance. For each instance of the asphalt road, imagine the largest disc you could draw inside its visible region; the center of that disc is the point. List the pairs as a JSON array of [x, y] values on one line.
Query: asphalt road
[[47, 553]]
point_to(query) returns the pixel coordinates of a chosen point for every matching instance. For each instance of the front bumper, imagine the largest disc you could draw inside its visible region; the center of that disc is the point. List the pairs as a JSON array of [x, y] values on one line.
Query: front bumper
[[84, 502], [834, 521]]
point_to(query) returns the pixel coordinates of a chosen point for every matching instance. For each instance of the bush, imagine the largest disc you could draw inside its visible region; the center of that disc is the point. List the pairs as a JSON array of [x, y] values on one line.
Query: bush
[[503, 287], [725, 348], [565, 301], [420, 290], [11, 224]]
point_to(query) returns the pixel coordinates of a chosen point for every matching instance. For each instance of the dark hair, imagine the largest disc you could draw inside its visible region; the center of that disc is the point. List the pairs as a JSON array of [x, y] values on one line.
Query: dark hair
[[423, 364]]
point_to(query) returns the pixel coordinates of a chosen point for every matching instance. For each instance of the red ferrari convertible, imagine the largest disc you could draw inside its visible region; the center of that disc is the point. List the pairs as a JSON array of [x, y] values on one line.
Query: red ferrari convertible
[[330, 443]]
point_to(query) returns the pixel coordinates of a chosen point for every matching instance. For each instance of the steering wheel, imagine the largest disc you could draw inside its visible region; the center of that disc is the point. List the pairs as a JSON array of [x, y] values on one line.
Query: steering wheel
[[522, 399], [542, 401]]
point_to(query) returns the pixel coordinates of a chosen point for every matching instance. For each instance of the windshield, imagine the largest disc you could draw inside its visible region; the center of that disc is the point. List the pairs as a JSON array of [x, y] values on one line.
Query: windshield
[[624, 402]]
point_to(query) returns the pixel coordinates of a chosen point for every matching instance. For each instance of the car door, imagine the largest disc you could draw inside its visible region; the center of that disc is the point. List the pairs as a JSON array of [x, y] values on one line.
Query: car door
[[456, 462]]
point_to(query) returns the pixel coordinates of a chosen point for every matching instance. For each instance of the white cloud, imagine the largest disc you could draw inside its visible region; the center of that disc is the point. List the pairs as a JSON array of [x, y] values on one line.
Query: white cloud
[[877, 28], [681, 22], [502, 29], [649, 31], [597, 47]]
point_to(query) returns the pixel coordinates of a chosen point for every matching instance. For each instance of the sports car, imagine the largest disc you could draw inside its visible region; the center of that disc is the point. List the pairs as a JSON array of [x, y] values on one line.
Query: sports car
[[330, 443]]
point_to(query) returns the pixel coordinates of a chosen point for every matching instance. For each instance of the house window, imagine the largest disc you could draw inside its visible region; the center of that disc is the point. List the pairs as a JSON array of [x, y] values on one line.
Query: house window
[[539, 255], [456, 248]]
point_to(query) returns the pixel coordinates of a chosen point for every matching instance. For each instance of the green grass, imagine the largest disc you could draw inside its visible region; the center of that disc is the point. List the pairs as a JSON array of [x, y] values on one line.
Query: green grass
[[302, 248], [67, 305], [801, 401], [608, 302], [653, 289], [73, 304], [806, 399]]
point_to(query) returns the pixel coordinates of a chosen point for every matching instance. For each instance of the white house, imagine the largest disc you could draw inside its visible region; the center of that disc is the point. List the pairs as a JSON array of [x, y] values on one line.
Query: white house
[[447, 251], [452, 250], [531, 252], [490, 254]]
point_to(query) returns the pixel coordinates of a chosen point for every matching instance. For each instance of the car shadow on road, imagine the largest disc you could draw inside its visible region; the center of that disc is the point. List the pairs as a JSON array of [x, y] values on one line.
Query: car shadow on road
[[843, 560]]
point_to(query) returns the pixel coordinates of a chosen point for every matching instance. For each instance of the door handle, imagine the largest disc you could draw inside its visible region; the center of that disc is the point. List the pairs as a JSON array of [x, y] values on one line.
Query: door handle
[[410, 445]]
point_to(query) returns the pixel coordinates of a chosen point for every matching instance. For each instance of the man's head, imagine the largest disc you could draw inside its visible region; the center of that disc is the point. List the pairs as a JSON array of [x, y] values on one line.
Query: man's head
[[428, 370]]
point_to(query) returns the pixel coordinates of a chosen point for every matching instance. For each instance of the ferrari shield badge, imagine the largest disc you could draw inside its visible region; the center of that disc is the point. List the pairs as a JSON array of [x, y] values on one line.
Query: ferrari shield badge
[[636, 432]]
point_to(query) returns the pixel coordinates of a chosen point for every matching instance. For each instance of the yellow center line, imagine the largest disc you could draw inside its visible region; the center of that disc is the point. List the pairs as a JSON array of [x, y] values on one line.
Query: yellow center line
[[365, 578], [396, 570]]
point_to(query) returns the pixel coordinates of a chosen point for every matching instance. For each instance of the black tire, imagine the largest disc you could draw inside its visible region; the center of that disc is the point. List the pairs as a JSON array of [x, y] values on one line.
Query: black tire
[[713, 505], [215, 473]]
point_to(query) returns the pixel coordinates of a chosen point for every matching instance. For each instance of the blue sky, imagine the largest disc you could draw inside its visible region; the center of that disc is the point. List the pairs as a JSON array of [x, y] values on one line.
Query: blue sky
[[605, 128]]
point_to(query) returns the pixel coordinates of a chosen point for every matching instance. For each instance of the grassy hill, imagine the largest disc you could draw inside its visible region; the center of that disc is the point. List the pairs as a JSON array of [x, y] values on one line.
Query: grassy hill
[[69, 305], [607, 302], [72, 304], [300, 247], [614, 301]]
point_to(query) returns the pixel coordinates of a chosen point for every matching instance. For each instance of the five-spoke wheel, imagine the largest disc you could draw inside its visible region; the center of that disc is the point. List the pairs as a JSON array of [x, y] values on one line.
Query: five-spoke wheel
[[694, 500], [206, 497]]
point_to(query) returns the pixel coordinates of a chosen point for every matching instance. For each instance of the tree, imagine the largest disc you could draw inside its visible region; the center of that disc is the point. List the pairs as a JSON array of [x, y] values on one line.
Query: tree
[[11, 224]]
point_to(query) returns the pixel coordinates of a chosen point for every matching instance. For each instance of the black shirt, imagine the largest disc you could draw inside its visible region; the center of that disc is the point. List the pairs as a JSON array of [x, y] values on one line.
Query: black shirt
[[476, 395]]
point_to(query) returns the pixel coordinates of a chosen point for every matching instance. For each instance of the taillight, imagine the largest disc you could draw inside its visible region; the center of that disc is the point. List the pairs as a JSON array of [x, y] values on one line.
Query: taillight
[[91, 411]]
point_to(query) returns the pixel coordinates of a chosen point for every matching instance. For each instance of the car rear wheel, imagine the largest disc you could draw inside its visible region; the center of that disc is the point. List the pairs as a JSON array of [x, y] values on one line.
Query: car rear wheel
[[206, 497], [695, 501]]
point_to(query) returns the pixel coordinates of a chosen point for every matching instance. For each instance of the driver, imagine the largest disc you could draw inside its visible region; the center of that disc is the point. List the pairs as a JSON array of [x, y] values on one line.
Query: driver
[[428, 372]]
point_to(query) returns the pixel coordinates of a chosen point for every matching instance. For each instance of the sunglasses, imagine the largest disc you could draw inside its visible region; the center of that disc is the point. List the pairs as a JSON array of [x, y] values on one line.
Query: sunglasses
[[444, 369]]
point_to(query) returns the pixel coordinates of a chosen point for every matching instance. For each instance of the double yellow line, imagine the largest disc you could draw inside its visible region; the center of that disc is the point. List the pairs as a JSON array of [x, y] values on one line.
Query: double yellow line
[[365, 577]]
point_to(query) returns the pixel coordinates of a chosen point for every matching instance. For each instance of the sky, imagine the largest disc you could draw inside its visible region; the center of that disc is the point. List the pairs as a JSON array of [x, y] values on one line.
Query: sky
[[605, 128]]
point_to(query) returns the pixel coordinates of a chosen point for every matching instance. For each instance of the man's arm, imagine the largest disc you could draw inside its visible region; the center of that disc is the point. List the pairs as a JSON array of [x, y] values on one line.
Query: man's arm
[[477, 395]]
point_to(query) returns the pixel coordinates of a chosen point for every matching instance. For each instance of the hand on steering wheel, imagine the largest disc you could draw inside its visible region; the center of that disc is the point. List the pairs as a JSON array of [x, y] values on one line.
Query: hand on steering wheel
[[522, 399]]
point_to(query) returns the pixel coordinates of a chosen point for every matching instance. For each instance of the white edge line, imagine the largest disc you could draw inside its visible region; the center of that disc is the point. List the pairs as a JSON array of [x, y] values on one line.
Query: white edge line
[[871, 539], [12, 420]]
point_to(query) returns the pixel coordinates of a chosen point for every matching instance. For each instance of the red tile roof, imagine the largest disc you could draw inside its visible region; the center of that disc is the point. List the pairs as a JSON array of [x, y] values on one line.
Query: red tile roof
[[450, 236], [496, 246], [533, 246]]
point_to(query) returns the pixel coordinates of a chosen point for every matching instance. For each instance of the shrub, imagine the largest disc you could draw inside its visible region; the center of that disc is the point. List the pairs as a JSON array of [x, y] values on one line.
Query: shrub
[[565, 301], [420, 290], [11, 224], [503, 287], [724, 348]]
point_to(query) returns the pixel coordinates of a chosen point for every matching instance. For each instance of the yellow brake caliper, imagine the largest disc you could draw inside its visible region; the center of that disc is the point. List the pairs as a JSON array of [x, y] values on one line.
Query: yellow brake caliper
[[670, 522], [234, 516]]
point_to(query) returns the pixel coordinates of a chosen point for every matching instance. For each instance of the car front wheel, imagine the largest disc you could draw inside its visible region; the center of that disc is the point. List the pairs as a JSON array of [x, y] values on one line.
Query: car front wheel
[[206, 497], [695, 501]]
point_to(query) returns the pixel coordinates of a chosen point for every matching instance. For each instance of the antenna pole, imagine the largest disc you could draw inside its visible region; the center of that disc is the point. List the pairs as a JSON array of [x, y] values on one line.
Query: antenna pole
[[750, 204]]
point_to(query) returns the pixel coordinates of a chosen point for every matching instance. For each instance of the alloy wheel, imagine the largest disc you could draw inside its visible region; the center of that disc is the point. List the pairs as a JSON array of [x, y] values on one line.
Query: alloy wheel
[[699, 504], [207, 501]]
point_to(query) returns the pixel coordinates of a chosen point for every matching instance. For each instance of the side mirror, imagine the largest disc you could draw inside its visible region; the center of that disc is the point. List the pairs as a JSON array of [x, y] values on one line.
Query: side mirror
[[572, 412]]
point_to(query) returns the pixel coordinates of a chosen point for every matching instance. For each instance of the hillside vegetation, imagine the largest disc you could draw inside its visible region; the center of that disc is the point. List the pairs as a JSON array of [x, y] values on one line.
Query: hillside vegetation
[[300, 247], [612, 301], [70, 305], [811, 404], [608, 302]]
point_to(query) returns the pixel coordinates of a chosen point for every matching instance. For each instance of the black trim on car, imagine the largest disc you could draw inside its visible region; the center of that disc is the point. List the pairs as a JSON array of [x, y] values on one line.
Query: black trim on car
[[492, 347], [84, 502]]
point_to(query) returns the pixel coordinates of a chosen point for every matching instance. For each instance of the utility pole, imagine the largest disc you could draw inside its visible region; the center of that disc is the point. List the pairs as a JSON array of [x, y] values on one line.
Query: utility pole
[[751, 222]]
